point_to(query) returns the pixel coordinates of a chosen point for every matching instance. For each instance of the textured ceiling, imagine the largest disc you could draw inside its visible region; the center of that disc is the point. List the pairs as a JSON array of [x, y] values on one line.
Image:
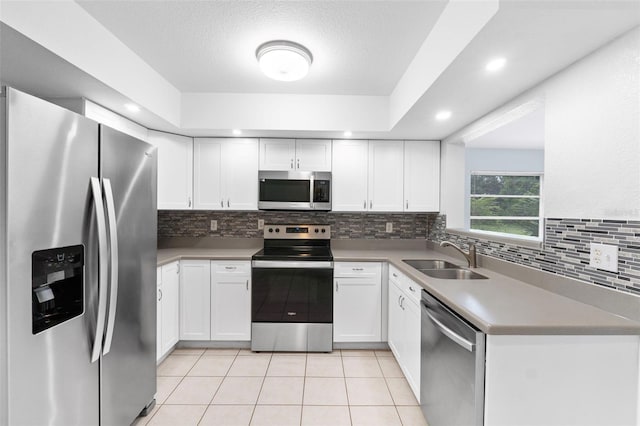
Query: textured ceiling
[[359, 47]]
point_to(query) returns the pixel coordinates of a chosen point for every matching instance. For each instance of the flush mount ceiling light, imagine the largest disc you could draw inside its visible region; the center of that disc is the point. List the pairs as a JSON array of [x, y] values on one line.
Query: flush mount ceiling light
[[284, 60], [496, 64], [132, 107], [443, 115]]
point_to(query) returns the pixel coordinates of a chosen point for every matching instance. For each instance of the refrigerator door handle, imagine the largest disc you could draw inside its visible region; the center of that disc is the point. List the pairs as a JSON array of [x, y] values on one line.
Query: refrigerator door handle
[[103, 272], [113, 268]]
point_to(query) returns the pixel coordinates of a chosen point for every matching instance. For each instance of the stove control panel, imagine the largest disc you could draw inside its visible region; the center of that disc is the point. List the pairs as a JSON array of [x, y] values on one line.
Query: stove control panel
[[295, 232]]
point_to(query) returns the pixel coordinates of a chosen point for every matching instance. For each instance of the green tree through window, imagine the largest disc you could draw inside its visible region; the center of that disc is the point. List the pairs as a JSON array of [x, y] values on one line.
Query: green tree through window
[[506, 203]]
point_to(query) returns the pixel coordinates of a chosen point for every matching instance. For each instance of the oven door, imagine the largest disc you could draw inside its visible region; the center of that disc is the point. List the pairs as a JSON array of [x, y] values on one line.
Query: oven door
[[292, 292]]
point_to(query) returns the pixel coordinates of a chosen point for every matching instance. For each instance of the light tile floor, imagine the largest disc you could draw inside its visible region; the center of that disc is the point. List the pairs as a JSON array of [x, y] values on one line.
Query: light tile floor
[[230, 387]]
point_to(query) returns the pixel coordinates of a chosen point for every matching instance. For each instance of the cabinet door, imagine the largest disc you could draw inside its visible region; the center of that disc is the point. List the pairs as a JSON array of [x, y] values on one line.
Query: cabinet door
[[170, 305], [313, 155], [195, 300], [159, 314], [231, 301], [395, 329], [386, 176], [421, 176], [207, 174], [277, 154], [411, 348], [175, 170], [356, 310], [240, 174], [349, 176]]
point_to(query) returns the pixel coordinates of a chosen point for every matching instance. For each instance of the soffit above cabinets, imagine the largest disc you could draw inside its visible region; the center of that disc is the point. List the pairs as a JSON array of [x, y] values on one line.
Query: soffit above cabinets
[[382, 69]]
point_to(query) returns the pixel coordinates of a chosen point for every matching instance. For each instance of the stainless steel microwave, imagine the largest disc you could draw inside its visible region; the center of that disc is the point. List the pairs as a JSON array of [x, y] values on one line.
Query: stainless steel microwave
[[294, 190]]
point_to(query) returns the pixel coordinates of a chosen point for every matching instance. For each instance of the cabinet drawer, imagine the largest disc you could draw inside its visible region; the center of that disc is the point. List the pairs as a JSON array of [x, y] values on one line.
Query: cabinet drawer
[[410, 288], [231, 267], [357, 269], [396, 276]]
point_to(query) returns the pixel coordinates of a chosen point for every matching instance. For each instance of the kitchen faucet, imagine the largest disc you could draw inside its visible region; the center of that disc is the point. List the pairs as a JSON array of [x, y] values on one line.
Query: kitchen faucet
[[470, 256]]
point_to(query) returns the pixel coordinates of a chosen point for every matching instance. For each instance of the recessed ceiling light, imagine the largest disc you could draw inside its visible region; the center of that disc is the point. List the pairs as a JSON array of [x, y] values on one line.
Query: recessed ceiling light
[[132, 107], [443, 115], [236, 132], [348, 134], [284, 60], [496, 64]]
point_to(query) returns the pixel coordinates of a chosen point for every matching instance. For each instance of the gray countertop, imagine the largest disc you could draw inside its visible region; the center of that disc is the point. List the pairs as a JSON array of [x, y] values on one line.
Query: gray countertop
[[497, 305]]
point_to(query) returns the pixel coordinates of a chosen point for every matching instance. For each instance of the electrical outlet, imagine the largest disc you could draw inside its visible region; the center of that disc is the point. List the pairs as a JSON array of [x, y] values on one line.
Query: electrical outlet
[[604, 256], [214, 225], [260, 224], [389, 227]]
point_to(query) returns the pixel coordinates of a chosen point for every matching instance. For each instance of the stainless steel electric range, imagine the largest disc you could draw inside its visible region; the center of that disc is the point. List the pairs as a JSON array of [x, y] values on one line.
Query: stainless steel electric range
[[292, 290]]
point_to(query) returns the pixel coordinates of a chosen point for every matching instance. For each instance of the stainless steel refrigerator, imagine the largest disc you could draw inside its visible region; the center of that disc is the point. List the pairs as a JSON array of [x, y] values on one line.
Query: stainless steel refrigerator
[[77, 266]]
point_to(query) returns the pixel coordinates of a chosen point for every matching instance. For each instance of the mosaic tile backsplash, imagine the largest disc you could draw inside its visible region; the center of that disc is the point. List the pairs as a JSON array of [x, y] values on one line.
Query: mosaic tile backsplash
[[566, 249], [183, 223]]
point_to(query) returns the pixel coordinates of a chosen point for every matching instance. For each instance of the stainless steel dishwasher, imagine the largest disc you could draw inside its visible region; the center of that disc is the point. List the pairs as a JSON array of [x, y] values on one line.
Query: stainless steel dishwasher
[[452, 367]]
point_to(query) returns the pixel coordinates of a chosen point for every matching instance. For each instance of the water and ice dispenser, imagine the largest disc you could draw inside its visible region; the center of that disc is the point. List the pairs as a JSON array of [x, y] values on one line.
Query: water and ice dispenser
[[57, 283]]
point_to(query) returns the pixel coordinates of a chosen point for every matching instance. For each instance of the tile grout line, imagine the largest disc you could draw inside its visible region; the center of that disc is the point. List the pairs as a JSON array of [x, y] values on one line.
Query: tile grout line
[[346, 389], [386, 383]]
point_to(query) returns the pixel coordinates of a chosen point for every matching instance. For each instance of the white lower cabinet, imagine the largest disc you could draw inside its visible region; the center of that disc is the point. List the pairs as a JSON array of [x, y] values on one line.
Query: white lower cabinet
[[357, 302], [168, 278], [195, 300], [231, 300], [404, 326]]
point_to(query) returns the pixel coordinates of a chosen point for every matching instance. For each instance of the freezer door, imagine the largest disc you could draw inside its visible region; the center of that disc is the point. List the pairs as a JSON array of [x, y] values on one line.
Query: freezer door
[[128, 166], [51, 156]]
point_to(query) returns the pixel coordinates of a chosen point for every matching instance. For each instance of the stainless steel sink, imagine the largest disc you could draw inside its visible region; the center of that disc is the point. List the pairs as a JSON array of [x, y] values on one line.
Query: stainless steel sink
[[430, 264], [453, 274]]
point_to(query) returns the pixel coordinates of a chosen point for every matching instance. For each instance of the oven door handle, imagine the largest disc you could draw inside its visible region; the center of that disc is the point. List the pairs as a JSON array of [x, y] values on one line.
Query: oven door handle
[[291, 264]]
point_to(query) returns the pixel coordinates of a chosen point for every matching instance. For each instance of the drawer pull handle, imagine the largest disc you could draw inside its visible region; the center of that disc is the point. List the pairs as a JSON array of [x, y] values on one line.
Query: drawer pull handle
[[411, 288], [358, 269], [230, 267], [394, 275]]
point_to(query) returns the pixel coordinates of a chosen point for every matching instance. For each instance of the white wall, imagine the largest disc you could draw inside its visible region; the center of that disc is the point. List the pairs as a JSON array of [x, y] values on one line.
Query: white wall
[[592, 137]]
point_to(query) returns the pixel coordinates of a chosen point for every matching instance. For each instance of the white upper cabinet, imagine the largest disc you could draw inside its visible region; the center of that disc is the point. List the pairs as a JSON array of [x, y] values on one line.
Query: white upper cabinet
[[349, 176], [175, 170], [225, 174], [277, 154], [421, 176], [386, 176], [295, 155], [207, 174], [313, 155]]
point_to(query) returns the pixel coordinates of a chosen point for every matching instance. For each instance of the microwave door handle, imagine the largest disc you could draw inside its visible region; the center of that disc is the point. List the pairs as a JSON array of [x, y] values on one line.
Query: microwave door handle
[[103, 271]]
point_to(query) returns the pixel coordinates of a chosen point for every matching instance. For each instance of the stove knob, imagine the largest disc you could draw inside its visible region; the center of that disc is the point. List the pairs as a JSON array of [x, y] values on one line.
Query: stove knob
[[270, 229], [317, 230], [277, 229], [324, 230]]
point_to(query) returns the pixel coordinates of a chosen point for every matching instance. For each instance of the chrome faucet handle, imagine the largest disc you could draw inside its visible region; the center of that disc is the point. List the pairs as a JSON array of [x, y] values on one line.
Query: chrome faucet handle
[[470, 256]]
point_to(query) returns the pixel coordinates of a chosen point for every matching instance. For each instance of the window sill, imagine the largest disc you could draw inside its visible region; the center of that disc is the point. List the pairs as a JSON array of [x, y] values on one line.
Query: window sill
[[518, 241]]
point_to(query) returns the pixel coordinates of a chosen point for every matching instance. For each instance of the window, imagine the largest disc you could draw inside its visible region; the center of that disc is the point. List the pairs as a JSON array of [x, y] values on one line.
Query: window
[[506, 203]]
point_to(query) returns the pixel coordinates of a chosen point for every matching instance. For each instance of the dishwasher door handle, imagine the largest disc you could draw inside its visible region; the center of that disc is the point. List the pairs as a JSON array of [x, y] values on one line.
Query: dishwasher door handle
[[470, 346]]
